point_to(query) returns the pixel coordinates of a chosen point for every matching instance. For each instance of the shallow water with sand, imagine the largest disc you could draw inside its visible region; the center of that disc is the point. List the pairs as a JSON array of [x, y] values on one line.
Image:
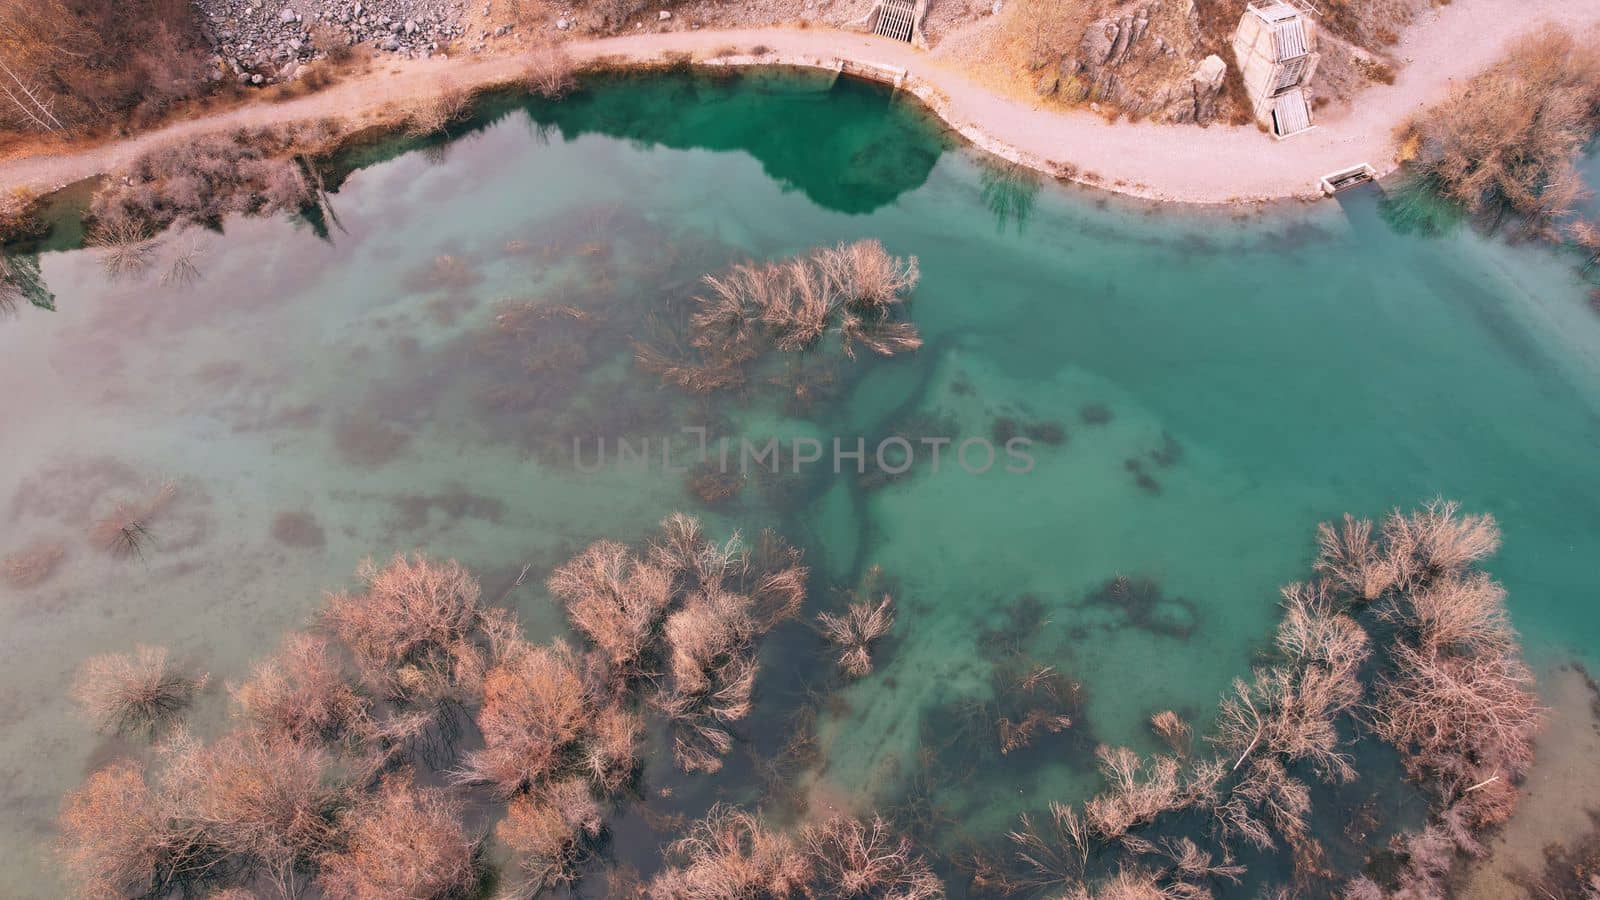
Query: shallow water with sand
[[1204, 387]]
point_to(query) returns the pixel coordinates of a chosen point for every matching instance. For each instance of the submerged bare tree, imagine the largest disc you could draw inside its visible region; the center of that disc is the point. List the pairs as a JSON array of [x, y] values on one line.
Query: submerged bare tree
[[854, 633], [856, 290], [137, 693]]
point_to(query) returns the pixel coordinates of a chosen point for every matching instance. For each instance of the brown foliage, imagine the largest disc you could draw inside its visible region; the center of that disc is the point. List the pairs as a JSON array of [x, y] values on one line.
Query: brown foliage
[[124, 530], [301, 694], [855, 632], [266, 802], [134, 694], [435, 113], [33, 564], [615, 600], [415, 630], [548, 832], [548, 71], [1507, 142], [404, 841], [90, 60], [203, 179], [730, 854], [851, 858], [854, 289], [535, 711], [112, 839]]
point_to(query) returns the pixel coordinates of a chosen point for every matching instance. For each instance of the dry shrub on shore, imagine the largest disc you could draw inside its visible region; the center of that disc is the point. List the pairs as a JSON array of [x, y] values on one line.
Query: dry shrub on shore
[[548, 71], [856, 631], [127, 246], [404, 841], [134, 694], [201, 180], [856, 290], [1506, 144], [34, 564], [437, 112]]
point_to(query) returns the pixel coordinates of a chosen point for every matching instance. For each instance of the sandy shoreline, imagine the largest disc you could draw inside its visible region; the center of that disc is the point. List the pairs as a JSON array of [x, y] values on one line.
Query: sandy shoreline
[[1179, 163]]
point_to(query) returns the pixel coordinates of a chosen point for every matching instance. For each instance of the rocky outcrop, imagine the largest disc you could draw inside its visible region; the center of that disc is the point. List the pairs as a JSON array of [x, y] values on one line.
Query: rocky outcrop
[[257, 41], [1141, 58]]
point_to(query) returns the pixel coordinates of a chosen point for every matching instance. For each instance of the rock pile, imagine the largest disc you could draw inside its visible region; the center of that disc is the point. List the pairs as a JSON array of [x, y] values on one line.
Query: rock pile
[[262, 41], [1141, 59]]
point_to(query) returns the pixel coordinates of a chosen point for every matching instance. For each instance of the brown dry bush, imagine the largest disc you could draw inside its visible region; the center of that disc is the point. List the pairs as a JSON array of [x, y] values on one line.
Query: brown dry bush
[[1352, 558], [1506, 144], [850, 858], [856, 631], [1140, 791], [89, 62], [33, 564], [134, 694], [729, 854], [1467, 720], [534, 714], [435, 113], [416, 631], [268, 803], [547, 70], [117, 839], [1174, 730], [617, 601], [695, 607], [855, 289], [548, 831], [202, 180], [127, 246], [403, 841], [300, 693]]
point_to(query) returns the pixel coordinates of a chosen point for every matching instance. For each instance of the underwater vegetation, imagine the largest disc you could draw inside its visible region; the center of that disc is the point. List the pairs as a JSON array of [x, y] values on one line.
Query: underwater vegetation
[[413, 706], [1397, 639], [33, 564], [357, 750]]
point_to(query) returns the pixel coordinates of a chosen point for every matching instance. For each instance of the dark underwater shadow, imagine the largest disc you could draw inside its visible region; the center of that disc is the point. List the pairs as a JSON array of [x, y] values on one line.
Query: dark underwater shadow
[[848, 145]]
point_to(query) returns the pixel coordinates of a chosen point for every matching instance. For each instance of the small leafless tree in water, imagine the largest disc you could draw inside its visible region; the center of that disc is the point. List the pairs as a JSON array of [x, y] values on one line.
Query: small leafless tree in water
[[138, 693]]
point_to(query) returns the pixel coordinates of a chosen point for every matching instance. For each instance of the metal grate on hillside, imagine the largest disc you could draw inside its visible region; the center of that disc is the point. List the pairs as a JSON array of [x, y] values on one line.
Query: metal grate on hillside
[[896, 19]]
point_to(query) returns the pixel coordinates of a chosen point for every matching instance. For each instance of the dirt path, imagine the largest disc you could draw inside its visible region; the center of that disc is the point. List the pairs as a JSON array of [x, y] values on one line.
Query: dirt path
[[1166, 162]]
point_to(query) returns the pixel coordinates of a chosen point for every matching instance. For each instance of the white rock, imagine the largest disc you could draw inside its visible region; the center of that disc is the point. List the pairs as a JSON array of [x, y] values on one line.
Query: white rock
[[664, 15], [563, 24]]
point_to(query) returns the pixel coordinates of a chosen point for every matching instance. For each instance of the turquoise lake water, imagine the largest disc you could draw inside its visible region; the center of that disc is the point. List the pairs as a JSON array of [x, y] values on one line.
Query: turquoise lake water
[[317, 400]]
